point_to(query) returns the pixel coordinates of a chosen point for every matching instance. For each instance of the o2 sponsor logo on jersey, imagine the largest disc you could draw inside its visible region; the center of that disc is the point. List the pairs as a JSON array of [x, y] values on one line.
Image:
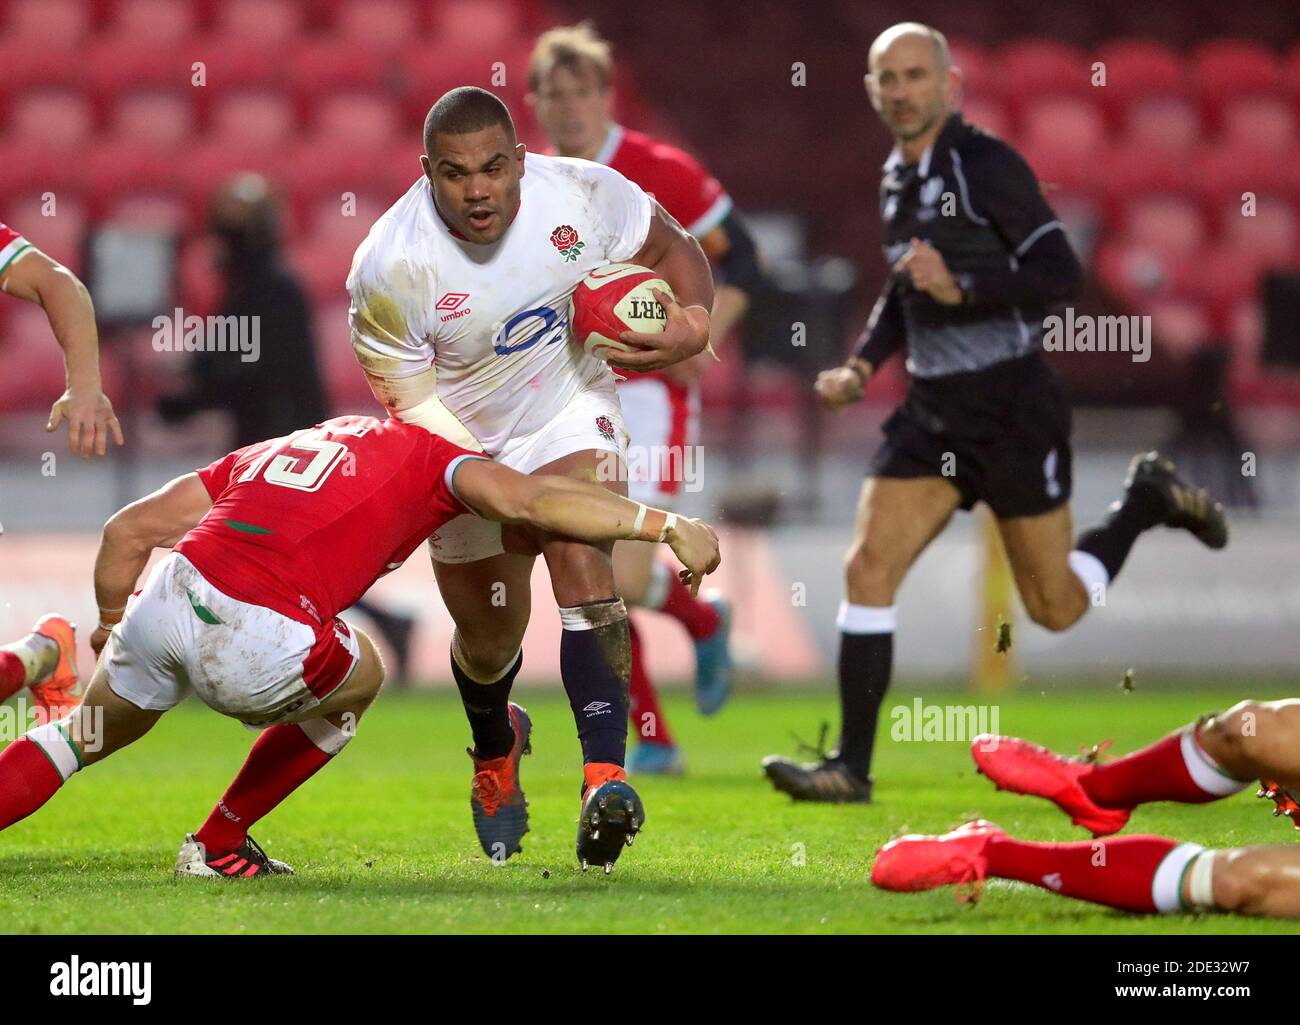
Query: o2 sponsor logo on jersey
[[524, 330]]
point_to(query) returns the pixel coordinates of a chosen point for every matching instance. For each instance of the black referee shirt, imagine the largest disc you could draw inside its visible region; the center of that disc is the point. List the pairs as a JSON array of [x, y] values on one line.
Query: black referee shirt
[[976, 201]]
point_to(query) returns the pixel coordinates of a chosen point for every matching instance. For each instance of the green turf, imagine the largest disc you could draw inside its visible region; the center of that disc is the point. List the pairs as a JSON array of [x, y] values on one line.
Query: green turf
[[382, 839]]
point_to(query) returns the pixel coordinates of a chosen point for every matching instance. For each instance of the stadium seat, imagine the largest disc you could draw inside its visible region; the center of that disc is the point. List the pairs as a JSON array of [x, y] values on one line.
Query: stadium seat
[[62, 235], [979, 77], [1230, 67], [48, 23], [1272, 232], [319, 66], [265, 21], [1179, 326], [160, 211], [378, 24], [1135, 274], [158, 21], [157, 118], [1226, 175], [362, 119], [348, 391], [253, 119], [33, 376], [1265, 123], [479, 23], [1034, 68], [1165, 224], [1072, 124], [1140, 69], [988, 113], [333, 229], [1168, 123], [57, 117]]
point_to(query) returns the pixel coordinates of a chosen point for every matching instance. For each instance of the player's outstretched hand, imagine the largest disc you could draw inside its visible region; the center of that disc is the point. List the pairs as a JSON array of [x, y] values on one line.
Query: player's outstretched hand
[[90, 419], [696, 545], [839, 387], [686, 333]]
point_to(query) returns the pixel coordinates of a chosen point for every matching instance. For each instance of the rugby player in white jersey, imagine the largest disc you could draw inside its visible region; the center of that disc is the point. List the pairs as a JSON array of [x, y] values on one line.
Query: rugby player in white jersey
[[459, 298]]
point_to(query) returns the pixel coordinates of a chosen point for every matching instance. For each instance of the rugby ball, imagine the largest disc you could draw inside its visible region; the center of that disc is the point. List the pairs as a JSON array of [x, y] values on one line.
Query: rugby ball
[[612, 299]]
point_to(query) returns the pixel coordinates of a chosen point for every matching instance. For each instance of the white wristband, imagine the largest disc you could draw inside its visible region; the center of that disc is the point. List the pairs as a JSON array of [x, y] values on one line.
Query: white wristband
[[669, 524]]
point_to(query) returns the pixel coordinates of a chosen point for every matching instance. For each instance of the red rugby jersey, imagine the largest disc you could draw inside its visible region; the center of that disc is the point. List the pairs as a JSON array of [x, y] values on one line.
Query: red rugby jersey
[[12, 245], [304, 524]]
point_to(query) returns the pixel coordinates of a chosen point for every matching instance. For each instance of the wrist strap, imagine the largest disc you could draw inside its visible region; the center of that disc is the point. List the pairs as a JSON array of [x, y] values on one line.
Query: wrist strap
[[652, 524]]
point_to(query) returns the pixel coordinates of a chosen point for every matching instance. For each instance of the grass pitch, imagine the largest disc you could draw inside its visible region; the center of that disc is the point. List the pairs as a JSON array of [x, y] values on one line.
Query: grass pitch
[[382, 839]]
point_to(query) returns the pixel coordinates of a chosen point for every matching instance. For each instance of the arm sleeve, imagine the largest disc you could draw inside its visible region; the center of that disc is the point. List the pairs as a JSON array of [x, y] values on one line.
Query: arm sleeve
[[1043, 268], [623, 210], [387, 318], [216, 475], [886, 331], [739, 265]]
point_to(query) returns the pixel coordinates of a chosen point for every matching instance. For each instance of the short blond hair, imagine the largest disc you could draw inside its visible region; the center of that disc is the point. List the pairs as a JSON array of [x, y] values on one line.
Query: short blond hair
[[568, 46]]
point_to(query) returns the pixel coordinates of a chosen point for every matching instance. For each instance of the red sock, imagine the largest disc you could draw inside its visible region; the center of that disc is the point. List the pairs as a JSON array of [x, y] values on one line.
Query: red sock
[[27, 780], [282, 760], [1158, 773], [643, 699], [1119, 872], [13, 674], [698, 616]]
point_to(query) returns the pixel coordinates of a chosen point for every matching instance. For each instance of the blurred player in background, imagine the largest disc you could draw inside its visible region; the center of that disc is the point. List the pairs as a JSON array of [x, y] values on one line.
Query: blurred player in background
[[270, 543], [570, 77], [1208, 760], [27, 273], [976, 257], [459, 298]]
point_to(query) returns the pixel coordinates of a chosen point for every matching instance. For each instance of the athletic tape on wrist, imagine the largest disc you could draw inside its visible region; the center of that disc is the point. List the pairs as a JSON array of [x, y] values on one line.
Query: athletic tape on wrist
[[647, 531]]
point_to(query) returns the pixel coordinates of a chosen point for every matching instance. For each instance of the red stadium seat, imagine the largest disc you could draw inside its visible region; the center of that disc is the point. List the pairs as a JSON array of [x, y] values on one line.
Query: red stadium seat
[[1074, 125], [980, 78], [987, 113], [159, 211], [1229, 67], [363, 119], [341, 225], [62, 235], [1165, 224], [1226, 175], [158, 21], [1168, 123], [478, 23], [61, 118], [157, 118], [320, 66], [1136, 274], [48, 23], [347, 386], [1272, 232], [379, 24], [265, 21], [1222, 276], [33, 376], [1139, 69], [1258, 123], [1036, 67], [253, 119], [1179, 325]]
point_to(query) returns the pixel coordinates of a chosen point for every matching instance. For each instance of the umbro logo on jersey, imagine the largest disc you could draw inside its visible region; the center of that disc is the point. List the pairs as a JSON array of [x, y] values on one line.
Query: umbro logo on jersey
[[450, 306], [597, 707]]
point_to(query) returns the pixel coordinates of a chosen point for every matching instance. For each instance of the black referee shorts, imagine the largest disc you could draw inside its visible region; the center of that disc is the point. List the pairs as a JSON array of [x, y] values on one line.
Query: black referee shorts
[[1001, 435]]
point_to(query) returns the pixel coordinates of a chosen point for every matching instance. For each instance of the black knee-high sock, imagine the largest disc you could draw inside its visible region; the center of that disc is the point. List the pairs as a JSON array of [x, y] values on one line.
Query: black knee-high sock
[[487, 709], [1110, 542], [596, 665], [866, 665]]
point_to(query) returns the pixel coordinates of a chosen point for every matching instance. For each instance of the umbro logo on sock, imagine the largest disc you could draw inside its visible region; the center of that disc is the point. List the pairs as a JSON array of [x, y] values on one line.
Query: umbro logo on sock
[[597, 707], [1053, 881]]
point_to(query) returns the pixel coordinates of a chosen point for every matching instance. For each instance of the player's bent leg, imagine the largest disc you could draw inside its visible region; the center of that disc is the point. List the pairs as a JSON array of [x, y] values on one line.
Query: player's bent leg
[[1038, 548], [1256, 740], [37, 764], [896, 519], [1263, 880], [284, 757]]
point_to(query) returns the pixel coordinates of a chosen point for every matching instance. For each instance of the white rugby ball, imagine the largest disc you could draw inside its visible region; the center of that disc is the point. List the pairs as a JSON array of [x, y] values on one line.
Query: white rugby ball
[[612, 299]]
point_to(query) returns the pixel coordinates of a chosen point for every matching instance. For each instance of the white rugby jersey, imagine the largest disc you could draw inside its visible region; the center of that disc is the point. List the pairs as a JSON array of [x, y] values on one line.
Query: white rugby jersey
[[493, 319]]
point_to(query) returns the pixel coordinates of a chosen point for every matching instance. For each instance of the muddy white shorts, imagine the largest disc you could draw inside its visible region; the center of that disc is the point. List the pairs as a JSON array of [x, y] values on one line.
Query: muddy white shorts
[[247, 661], [591, 420]]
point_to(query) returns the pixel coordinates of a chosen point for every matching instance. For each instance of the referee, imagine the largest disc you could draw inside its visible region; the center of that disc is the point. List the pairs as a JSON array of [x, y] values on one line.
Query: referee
[[976, 256]]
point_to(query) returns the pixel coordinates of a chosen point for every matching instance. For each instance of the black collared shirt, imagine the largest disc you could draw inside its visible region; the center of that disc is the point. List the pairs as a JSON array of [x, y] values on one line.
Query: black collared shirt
[[976, 201]]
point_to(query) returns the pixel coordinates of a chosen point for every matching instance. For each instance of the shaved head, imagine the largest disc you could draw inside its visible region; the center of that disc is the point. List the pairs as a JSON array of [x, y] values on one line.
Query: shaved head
[[937, 40]]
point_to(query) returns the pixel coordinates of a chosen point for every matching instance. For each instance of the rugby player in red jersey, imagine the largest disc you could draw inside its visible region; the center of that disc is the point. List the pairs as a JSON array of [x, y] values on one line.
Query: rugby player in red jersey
[[27, 273], [571, 95], [269, 543]]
